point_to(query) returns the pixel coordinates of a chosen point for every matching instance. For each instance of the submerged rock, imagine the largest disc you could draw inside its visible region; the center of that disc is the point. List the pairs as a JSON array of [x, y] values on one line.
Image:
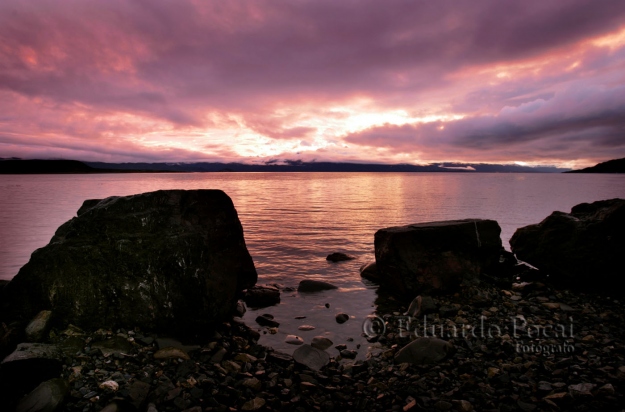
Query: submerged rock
[[171, 261], [314, 286], [583, 248], [435, 256]]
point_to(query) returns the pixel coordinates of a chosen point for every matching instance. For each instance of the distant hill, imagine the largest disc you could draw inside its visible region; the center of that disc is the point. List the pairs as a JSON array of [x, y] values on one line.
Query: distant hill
[[19, 166], [42, 166], [611, 166]]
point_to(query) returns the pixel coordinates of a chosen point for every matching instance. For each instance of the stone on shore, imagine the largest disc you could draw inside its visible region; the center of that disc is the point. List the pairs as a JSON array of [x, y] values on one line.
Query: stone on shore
[[314, 286], [424, 351], [421, 305], [171, 261], [321, 343], [311, 357], [262, 296], [435, 256], [28, 366], [47, 397], [583, 248], [339, 257], [293, 340], [39, 326]]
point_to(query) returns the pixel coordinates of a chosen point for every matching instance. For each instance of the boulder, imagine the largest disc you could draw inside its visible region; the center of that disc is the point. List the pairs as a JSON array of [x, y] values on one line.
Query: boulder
[[171, 261], [262, 296], [424, 351], [436, 256], [314, 286], [583, 248]]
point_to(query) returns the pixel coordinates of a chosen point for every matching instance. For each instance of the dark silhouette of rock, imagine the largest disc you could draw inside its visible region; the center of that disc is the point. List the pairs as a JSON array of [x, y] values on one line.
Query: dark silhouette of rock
[[169, 261], [424, 351], [436, 256], [262, 296], [314, 286], [339, 257], [583, 248]]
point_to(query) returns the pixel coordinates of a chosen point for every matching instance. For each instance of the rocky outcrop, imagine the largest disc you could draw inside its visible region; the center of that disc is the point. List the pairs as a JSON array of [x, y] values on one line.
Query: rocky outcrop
[[169, 261], [581, 248], [435, 256]]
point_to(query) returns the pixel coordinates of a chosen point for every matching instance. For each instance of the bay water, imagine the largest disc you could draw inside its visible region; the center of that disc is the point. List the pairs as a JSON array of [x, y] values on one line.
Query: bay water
[[292, 221]]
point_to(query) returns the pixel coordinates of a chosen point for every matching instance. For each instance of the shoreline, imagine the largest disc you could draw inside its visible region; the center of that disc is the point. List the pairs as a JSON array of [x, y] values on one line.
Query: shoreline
[[498, 372]]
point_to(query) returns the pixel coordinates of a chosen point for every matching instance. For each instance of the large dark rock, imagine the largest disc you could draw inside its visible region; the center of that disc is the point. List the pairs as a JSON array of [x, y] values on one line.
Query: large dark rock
[[170, 261], [582, 248], [435, 256]]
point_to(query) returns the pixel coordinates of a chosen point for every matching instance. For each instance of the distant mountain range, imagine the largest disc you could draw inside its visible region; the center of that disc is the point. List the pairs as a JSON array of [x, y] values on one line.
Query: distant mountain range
[[38, 166], [19, 166], [298, 166], [611, 166]]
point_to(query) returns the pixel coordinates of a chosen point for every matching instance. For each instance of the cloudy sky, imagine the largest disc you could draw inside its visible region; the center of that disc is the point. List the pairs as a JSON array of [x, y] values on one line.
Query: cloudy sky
[[536, 82]]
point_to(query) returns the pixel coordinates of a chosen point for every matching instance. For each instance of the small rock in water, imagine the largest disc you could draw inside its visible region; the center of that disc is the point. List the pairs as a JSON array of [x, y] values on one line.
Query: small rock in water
[[300, 317], [294, 340], [339, 257], [342, 317], [321, 343], [306, 286], [306, 327], [348, 354], [262, 296], [264, 320]]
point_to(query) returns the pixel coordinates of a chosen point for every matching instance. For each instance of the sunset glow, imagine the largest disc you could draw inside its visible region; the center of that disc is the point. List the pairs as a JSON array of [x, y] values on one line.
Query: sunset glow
[[269, 81]]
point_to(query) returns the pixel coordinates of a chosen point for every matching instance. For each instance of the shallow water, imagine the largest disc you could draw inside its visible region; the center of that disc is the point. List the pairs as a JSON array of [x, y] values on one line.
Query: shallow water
[[292, 221]]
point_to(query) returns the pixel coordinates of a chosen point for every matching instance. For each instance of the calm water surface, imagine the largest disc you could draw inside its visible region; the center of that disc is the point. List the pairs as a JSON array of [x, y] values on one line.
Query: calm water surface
[[292, 221]]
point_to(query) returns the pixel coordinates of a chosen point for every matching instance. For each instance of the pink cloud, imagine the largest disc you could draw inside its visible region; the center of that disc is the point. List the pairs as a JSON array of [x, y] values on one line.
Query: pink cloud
[[71, 70]]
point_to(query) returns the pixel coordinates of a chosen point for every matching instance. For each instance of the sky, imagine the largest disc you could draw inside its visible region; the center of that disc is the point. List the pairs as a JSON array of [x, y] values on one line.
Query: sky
[[410, 81]]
